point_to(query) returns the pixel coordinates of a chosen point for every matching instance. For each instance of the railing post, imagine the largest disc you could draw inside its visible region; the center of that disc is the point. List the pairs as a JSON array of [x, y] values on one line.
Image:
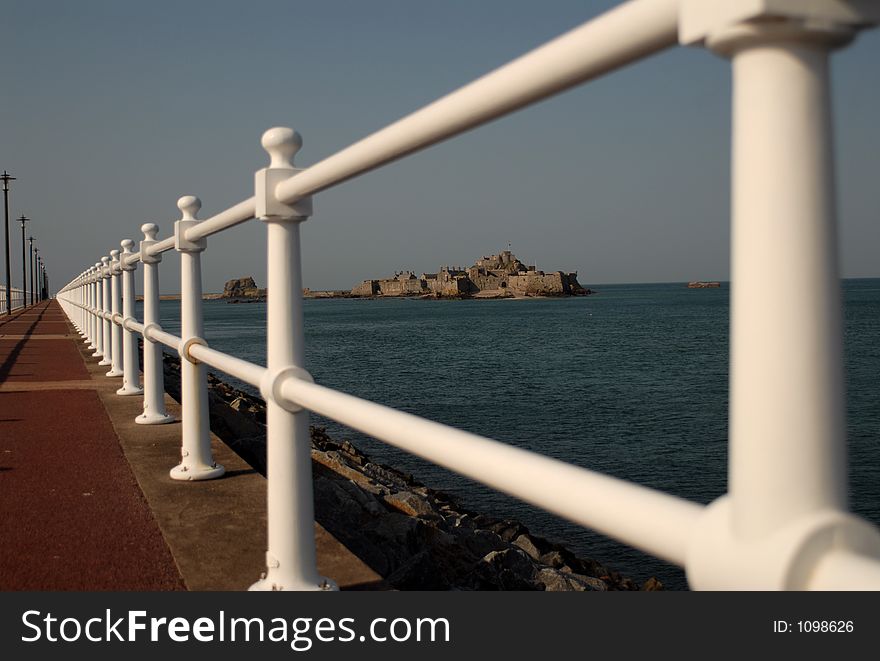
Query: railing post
[[87, 302], [787, 420], [80, 318], [115, 328], [97, 326], [787, 465], [81, 299], [130, 371], [77, 299], [154, 378], [291, 557], [196, 462], [106, 343], [83, 306]]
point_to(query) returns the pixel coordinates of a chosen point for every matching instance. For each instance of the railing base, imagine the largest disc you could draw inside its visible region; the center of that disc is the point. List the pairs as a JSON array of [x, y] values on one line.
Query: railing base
[[269, 584], [127, 391], [185, 473], [154, 419]]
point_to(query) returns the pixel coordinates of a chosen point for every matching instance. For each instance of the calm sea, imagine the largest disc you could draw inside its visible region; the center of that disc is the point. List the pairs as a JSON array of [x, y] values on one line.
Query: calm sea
[[631, 382]]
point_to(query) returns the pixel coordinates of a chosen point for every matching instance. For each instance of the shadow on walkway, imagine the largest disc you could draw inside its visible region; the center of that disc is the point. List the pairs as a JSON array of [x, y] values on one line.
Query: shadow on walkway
[[8, 364]]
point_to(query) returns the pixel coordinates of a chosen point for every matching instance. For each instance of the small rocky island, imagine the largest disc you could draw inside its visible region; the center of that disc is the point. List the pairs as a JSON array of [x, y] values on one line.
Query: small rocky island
[[493, 276]]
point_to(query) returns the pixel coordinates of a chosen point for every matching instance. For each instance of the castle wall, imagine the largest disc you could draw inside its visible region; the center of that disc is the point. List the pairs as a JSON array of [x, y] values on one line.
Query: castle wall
[[450, 287], [489, 281], [536, 284], [366, 288], [405, 287]]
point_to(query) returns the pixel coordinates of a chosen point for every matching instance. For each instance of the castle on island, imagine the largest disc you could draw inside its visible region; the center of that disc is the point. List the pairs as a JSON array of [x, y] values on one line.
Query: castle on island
[[494, 276]]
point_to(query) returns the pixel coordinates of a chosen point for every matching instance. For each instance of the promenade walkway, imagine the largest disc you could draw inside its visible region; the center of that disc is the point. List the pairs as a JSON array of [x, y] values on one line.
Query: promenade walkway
[[85, 498]]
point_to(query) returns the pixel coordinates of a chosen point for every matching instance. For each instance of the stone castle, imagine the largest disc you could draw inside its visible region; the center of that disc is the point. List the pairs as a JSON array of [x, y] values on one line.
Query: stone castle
[[495, 276]]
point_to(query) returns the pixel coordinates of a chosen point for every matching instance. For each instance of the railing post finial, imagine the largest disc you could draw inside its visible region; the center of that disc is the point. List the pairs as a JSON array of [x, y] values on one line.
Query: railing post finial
[[150, 230], [282, 144], [189, 206]]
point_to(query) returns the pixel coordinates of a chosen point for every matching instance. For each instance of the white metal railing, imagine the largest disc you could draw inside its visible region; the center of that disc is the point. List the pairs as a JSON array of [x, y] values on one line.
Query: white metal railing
[[784, 524], [18, 298]]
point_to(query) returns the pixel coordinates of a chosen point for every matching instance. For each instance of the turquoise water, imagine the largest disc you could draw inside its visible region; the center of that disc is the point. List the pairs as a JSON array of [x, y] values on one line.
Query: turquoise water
[[631, 382]]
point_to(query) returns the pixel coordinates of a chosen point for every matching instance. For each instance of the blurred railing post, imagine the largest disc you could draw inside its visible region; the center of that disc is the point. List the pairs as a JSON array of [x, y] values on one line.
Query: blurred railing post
[[787, 483], [196, 461], [154, 378], [291, 557], [130, 371], [106, 342]]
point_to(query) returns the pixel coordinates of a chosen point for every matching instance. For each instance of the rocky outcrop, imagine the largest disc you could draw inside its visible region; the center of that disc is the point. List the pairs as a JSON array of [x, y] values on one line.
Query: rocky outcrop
[[417, 538], [243, 288], [702, 284]]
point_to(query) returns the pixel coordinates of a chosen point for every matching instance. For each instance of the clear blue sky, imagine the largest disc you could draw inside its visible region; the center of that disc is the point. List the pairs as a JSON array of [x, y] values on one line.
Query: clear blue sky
[[112, 110]]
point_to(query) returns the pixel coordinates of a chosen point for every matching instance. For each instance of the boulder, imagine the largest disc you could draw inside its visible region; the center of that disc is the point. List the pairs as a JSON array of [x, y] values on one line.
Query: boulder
[[242, 288]]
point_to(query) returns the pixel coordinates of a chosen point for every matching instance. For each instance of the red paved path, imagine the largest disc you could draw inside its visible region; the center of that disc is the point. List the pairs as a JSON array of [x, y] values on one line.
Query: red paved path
[[71, 514]]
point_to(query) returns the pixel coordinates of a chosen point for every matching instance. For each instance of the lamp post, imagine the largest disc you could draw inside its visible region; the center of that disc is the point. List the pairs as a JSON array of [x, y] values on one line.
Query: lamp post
[[23, 219], [36, 270], [6, 177], [31, 268]]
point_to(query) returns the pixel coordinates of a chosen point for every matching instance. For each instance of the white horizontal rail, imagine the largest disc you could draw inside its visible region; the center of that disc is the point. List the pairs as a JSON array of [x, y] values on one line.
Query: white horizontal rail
[[623, 35], [158, 335], [161, 246], [234, 215], [18, 298], [650, 520], [240, 369]]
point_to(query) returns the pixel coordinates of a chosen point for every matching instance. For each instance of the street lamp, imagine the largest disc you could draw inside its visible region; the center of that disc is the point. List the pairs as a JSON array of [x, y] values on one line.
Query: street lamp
[[31, 268], [23, 219], [37, 269], [6, 177]]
